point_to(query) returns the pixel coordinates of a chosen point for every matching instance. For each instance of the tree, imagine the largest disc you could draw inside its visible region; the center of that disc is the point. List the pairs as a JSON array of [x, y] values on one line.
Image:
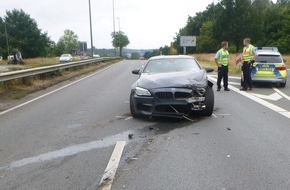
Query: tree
[[172, 50], [206, 41], [2, 39], [234, 23], [120, 40], [194, 24], [135, 55], [24, 35], [67, 42], [265, 22], [149, 54]]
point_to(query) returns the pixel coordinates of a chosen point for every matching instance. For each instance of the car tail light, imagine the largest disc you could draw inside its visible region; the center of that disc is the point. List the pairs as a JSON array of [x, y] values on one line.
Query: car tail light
[[282, 68]]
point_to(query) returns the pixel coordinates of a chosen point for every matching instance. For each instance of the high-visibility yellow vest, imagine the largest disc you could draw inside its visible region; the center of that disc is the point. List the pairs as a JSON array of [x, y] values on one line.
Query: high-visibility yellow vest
[[223, 57], [248, 53]]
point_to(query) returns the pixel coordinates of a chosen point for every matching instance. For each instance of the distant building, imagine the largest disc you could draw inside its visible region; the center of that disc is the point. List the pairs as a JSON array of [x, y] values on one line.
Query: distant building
[[83, 47]]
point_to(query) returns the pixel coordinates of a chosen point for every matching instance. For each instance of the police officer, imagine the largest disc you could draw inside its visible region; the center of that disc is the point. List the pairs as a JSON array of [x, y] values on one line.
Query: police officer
[[222, 61], [248, 60]]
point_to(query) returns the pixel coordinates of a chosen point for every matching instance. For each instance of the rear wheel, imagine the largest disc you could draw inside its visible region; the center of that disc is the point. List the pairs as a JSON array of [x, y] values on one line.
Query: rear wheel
[[209, 102], [132, 108], [282, 84]]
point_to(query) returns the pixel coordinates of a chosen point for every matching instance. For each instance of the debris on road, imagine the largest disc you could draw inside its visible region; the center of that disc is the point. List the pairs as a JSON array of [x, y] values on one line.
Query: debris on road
[[130, 136], [151, 128], [128, 159]]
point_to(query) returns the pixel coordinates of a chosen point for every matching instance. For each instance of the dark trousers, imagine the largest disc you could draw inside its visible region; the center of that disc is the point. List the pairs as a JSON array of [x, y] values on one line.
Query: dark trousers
[[223, 73], [247, 69]]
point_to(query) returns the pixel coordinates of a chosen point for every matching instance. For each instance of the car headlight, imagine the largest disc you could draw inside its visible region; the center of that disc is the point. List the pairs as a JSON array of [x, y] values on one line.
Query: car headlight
[[142, 92]]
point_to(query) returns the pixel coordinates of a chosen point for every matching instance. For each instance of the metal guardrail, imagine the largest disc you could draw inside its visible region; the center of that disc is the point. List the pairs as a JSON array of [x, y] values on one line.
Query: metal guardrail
[[40, 70]]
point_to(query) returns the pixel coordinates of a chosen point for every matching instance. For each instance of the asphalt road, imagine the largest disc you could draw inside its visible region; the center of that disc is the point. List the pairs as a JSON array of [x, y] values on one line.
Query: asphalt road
[[63, 138]]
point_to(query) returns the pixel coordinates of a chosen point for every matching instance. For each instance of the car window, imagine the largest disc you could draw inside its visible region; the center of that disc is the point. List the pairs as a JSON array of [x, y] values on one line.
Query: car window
[[269, 59], [171, 65]]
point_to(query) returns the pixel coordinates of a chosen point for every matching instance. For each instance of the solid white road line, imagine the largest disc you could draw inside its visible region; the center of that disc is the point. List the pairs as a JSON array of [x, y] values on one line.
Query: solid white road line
[[225, 114], [235, 83], [128, 118], [230, 77], [282, 94], [260, 101], [109, 174], [54, 91]]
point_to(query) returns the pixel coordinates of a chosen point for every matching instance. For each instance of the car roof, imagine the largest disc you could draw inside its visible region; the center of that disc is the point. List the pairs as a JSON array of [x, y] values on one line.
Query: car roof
[[171, 57], [267, 52]]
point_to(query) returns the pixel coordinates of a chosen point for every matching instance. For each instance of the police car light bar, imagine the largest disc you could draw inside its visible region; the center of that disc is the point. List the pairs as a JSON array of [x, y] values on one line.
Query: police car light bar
[[268, 48]]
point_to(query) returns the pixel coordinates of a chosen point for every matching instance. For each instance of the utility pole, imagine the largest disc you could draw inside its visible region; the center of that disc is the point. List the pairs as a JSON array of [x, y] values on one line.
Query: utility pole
[[91, 30], [119, 24]]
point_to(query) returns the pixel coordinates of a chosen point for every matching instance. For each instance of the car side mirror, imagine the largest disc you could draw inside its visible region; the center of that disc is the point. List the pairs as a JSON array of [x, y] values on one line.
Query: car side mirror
[[136, 71], [209, 70], [284, 60]]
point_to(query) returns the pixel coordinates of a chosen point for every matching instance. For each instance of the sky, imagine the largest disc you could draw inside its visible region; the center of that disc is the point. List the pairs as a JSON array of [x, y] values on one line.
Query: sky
[[149, 24]]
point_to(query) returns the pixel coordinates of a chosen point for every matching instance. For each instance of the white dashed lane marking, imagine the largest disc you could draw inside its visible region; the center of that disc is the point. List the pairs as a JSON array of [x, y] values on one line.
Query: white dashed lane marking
[[110, 172]]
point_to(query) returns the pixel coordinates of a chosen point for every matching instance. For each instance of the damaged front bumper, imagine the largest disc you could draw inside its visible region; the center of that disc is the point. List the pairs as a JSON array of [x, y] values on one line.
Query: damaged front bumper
[[171, 102]]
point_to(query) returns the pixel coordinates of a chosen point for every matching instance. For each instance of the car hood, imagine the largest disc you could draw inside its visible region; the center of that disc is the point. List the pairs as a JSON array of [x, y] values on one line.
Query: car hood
[[189, 79]]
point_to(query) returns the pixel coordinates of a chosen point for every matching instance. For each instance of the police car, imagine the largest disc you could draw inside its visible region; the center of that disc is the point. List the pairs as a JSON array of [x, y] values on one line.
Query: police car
[[269, 67]]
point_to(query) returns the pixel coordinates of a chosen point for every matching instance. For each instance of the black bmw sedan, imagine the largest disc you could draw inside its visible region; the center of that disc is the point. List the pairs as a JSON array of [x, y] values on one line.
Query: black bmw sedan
[[172, 86]]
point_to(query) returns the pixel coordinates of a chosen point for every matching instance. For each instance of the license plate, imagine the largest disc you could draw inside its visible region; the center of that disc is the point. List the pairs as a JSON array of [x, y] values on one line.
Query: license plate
[[266, 69]]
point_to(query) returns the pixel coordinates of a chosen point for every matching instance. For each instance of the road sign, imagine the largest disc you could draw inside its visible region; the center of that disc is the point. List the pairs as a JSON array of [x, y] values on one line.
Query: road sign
[[188, 41]]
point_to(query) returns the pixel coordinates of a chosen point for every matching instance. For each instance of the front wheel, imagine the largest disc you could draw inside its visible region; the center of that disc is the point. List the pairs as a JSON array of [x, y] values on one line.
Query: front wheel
[[209, 102], [132, 108]]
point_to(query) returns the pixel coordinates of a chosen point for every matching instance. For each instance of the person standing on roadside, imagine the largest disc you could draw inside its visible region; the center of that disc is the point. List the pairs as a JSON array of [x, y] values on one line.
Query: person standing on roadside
[[222, 61], [248, 60]]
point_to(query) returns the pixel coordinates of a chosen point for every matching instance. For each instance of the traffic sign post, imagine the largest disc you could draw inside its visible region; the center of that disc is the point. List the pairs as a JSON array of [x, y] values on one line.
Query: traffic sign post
[[239, 59], [187, 41]]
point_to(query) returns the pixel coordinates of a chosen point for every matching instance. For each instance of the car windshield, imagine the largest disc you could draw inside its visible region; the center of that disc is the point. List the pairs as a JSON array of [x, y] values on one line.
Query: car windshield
[[65, 55], [171, 65], [269, 59]]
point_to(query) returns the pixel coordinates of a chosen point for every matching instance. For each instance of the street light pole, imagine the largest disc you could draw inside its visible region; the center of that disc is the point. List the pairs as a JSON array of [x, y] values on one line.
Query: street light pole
[[119, 24], [91, 30], [6, 34], [114, 24], [114, 17]]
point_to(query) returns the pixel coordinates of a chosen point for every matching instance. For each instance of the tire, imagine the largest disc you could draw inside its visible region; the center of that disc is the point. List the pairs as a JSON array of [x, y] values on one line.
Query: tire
[[209, 102], [132, 108], [282, 84]]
